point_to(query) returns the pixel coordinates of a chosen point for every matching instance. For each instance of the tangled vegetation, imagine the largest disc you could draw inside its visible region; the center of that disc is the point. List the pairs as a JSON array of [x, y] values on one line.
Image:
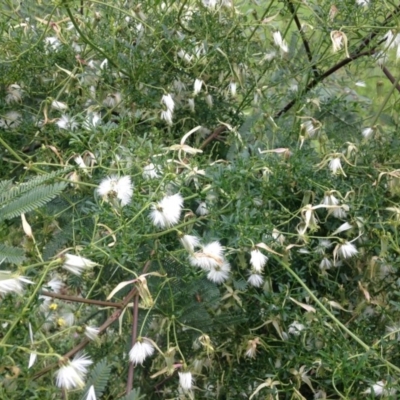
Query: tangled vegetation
[[199, 199]]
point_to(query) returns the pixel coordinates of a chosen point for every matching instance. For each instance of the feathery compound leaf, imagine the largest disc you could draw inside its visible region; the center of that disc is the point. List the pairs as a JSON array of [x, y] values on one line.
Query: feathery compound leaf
[[12, 255], [98, 378], [31, 200], [9, 192], [5, 187]]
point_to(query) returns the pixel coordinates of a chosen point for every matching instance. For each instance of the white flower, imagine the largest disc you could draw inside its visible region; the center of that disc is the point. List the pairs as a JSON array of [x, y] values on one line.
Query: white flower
[[378, 389], [202, 209], [198, 83], [337, 40], [295, 328], [209, 100], [309, 127], [167, 116], [255, 280], [112, 100], [169, 102], [277, 236], [209, 257], [340, 212], [168, 211], [14, 94], [12, 283], [121, 188], [58, 105], [280, 42], [362, 2], [325, 264], [219, 273], [91, 332], [67, 318], [330, 199], [335, 165], [189, 242], [258, 260], [52, 42], [150, 171], [367, 133], [345, 250], [91, 395], [11, 120], [251, 349], [191, 104], [92, 119], [184, 55], [32, 356], [142, 349], [76, 264], [232, 88], [269, 56], [185, 380], [67, 122], [72, 374]]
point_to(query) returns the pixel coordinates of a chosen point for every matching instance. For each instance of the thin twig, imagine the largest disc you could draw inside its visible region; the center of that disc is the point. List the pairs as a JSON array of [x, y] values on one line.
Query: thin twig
[[321, 77], [110, 320], [220, 129], [391, 78], [81, 299], [303, 38], [131, 370], [356, 54]]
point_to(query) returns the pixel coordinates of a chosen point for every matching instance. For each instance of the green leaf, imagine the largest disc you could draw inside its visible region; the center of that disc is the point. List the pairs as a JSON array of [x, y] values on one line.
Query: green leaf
[[31, 200], [98, 378], [12, 255]]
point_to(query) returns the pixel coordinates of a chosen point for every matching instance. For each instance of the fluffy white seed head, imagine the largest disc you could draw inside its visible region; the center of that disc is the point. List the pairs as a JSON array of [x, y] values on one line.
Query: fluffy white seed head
[[258, 260], [167, 212], [141, 350], [185, 380]]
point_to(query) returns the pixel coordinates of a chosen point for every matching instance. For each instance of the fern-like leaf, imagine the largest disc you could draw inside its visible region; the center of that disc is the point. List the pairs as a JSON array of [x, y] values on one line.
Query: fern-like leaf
[[12, 255], [11, 192], [31, 200], [98, 378], [5, 187]]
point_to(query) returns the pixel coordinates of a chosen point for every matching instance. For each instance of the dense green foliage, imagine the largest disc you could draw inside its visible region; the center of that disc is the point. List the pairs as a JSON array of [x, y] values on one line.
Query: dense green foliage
[[266, 129]]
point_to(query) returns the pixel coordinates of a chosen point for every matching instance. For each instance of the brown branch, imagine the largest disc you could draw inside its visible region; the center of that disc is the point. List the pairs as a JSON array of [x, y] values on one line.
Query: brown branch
[[81, 299], [220, 129], [131, 370], [110, 320], [391, 78], [359, 52], [303, 37]]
